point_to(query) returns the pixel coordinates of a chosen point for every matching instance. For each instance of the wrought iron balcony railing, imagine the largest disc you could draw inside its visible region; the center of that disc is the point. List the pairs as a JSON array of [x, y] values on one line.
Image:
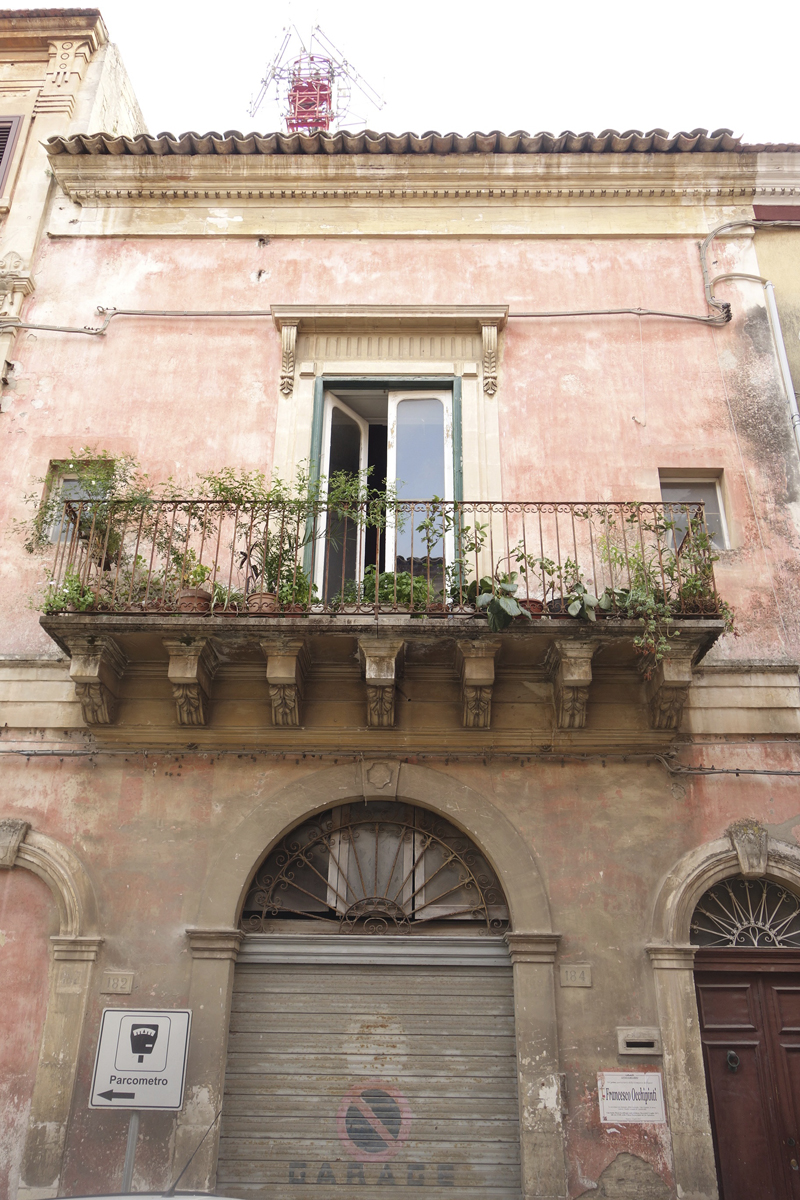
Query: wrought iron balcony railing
[[502, 560]]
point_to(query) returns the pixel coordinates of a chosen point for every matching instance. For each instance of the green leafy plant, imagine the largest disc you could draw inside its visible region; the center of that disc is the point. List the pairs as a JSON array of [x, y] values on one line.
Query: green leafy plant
[[497, 595], [390, 588], [71, 593]]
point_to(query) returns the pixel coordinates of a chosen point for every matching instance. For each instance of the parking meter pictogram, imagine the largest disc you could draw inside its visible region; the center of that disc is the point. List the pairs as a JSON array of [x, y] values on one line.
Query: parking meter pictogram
[[143, 1039]]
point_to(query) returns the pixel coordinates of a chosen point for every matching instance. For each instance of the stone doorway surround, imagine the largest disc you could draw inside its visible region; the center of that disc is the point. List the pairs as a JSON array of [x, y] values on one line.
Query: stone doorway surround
[[747, 849], [215, 940], [73, 951]]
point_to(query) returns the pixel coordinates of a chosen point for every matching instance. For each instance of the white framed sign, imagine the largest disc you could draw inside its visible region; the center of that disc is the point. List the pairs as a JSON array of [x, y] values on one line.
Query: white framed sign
[[141, 1058], [631, 1098]]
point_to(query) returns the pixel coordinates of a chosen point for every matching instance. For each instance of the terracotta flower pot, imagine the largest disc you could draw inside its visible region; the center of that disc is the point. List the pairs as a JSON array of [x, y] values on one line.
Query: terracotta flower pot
[[558, 608], [294, 610], [534, 607], [194, 600], [262, 603]]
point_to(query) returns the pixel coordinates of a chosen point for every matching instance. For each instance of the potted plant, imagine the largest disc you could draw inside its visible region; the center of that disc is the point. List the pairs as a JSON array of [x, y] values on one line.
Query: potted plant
[[497, 597], [192, 596]]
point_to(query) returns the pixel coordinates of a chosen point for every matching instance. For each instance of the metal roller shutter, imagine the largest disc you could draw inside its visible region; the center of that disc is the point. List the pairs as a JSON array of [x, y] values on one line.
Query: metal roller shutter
[[381, 1065]]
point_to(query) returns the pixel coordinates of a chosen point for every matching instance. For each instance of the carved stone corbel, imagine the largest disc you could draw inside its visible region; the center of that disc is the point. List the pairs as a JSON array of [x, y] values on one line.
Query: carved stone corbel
[[381, 667], [192, 667], [12, 835], [220, 943], [96, 667], [667, 689], [750, 840], [489, 332], [288, 344], [475, 665], [288, 661], [570, 667]]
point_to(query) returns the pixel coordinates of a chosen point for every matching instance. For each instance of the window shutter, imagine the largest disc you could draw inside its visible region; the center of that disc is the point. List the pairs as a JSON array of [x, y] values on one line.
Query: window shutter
[[9, 128]]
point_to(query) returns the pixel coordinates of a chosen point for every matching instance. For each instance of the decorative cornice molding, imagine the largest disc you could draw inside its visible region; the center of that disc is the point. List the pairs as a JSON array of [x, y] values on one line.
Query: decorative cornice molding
[[448, 180], [351, 318]]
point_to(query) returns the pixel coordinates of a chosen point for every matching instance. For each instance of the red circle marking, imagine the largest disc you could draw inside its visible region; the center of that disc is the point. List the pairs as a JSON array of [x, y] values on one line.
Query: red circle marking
[[354, 1097]]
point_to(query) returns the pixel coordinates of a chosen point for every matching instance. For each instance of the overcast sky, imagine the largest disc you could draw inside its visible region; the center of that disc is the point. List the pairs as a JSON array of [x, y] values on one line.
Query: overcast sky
[[467, 65]]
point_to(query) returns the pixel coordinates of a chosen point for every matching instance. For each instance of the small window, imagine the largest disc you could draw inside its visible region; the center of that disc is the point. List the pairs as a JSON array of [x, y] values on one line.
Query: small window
[[9, 129], [682, 494]]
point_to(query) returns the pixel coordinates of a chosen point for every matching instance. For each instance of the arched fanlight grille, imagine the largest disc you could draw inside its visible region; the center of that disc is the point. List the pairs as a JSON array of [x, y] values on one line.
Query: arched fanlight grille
[[380, 867], [747, 912]]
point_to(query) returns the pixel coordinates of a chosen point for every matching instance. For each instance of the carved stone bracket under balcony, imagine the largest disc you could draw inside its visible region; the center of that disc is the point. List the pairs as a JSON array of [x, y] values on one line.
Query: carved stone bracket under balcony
[[288, 661], [570, 666], [381, 666], [96, 668], [192, 665], [475, 664], [667, 689]]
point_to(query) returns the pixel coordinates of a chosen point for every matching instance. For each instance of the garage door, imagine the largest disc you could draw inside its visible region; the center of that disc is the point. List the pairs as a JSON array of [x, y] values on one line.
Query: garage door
[[365, 1063]]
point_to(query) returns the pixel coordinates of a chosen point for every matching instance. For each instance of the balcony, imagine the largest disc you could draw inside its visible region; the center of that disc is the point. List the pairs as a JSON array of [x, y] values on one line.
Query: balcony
[[526, 604]]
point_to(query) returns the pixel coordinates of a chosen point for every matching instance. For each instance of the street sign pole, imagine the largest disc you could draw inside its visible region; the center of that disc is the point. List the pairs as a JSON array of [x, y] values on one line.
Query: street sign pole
[[130, 1153]]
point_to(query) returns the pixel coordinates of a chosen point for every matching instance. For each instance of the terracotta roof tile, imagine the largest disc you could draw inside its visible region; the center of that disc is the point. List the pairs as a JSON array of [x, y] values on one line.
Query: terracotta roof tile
[[366, 141]]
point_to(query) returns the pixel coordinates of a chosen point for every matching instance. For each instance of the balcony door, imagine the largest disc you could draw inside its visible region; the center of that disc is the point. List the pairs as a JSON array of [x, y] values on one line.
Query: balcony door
[[404, 440]]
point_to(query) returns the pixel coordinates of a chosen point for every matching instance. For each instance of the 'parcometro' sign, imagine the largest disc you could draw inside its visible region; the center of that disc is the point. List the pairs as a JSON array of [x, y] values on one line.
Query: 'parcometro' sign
[[631, 1097], [141, 1058]]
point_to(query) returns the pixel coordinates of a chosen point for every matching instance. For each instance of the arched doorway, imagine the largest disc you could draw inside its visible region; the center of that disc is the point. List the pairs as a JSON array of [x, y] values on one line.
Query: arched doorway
[[372, 1022], [747, 976]]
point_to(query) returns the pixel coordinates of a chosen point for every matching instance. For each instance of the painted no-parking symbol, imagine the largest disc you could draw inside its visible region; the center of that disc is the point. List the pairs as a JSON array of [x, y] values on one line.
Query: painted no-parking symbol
[[374, 1120]]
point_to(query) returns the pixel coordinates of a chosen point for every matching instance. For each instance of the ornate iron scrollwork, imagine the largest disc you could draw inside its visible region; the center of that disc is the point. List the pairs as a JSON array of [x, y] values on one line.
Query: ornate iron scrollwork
[[380, 867], [746, 912]]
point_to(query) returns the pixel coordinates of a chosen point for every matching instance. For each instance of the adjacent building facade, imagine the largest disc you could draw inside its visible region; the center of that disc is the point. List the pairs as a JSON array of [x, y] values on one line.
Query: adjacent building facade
[[503, 905]]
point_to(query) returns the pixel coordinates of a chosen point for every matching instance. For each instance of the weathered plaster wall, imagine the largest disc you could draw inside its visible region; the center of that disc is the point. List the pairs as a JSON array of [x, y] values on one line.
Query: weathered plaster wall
[[588, 408], [107, 100], [151, 832], [778, 252], [27, 918]]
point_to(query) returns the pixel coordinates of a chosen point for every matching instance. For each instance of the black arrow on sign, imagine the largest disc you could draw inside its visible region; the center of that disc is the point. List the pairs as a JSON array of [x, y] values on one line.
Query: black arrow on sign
[[112, 1095]]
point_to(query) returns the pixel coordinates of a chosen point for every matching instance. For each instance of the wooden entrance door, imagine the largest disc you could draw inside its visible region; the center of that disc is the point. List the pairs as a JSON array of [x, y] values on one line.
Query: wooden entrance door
[[749, 1006]]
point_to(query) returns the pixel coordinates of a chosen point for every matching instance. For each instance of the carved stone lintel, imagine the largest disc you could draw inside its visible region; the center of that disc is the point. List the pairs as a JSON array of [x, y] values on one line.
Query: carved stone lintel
[[489, 332], [750, 840], [288, 344], [96, 667], [192, 667], [381, 667], [533, 947], [668, 687], [215, 943], [288, 661], [570, 666], [475, 664], [12, 835]]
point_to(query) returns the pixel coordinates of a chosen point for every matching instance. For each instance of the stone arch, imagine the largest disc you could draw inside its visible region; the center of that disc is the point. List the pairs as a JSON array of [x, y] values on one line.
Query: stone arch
[[246, 845], [215, 938], [699, 869], [746, 850], [59, 868], [74, 950]]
